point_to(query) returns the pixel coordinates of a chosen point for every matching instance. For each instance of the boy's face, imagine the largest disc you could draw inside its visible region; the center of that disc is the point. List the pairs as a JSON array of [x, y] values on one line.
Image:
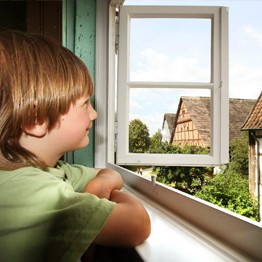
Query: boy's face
[[74, 126], [70, 133]]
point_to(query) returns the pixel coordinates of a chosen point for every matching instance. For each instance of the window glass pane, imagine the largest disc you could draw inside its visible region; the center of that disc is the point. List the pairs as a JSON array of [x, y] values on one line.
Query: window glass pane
[[180, 52], [162, 116]]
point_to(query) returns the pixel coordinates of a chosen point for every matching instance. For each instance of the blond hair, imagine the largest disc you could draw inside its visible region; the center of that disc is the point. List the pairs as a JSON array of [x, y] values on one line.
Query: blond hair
[[39, 79]]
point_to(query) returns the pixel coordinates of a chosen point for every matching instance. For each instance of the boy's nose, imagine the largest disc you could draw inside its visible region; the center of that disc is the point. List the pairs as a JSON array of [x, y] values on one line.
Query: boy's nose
[[93, 113]]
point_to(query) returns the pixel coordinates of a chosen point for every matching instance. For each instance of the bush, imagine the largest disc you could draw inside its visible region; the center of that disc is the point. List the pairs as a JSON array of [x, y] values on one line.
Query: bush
[[230, 190], [186, 179]]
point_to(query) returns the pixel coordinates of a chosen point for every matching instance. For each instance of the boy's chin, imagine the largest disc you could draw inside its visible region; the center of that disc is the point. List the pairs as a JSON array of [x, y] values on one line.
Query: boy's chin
[[84, 143], [81, 145]]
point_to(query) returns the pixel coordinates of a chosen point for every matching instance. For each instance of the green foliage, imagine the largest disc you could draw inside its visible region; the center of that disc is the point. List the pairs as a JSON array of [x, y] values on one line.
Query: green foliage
[[230, 190], [187, 179], [164, 148], [239, 155], [155, 142], [139, 140]]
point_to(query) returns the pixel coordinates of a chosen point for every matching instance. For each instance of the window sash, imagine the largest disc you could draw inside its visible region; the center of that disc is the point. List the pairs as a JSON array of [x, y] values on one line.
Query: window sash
[[218, 86]]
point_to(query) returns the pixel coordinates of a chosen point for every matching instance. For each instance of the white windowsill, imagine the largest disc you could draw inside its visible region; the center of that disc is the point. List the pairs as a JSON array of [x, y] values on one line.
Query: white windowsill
[[173, 239]]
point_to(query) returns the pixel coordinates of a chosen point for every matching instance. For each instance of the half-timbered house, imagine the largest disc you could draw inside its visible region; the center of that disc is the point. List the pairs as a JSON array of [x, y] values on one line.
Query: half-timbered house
[[193, 122]]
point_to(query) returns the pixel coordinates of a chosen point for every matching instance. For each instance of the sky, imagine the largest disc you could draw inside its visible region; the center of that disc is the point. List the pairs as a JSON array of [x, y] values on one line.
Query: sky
[[152, 57]]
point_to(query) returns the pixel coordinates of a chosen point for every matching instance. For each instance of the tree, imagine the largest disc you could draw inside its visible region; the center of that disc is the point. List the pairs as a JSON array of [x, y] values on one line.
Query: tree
[[230, 190], [239, 155], [139, 140], [155, 142]]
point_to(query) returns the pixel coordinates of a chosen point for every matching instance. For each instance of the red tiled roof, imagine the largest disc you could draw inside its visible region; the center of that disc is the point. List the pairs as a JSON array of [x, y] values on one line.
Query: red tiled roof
[[254, 121]]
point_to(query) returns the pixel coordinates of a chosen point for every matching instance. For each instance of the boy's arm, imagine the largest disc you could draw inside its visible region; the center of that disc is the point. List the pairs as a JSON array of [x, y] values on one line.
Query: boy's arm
[[128, 225], [104, 183]]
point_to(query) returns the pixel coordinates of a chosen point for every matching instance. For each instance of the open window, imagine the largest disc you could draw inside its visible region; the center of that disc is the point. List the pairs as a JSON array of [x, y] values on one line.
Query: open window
[[182, 70], [113, 121]]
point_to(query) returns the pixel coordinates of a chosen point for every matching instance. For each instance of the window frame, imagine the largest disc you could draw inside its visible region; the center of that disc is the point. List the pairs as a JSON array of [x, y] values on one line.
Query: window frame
[[231, 229], [218, 86]]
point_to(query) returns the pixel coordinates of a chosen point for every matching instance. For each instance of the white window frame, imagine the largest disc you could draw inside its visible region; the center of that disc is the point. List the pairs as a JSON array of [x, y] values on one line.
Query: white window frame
[[218, 86], [234, 231]]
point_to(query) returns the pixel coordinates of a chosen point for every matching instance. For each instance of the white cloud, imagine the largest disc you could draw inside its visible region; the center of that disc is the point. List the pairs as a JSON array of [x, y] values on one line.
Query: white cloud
[[253, 33], [153, 122], [135, 105], [160, 67], [245, 81]]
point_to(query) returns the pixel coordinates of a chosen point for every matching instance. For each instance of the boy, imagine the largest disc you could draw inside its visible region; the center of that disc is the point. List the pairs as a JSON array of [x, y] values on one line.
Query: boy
[[50, 210]]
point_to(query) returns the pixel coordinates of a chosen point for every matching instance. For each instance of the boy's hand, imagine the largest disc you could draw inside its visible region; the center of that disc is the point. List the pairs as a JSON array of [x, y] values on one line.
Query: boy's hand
[[128, 225], [106, 181]]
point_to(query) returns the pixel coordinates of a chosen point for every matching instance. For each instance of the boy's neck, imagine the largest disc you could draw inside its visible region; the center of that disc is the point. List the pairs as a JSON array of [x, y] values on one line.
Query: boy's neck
[[41, 147]]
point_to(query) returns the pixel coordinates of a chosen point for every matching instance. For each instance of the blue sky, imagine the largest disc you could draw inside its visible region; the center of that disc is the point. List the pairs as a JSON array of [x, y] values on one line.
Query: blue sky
[[245, 58]]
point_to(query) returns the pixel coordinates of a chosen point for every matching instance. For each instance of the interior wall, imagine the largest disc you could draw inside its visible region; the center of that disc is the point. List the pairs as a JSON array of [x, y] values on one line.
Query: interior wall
[[43, 17]]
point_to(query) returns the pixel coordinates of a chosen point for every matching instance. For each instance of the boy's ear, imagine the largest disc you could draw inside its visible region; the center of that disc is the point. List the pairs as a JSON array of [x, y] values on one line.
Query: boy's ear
[[37, 130]]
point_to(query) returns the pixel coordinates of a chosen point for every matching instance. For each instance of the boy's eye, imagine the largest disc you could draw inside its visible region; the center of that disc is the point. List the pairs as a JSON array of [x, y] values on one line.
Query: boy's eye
[[86, 103]]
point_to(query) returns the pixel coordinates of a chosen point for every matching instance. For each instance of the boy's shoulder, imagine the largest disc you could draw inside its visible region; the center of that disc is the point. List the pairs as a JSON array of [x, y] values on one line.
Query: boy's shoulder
[[75, 175], [28, 176], [6, 175], [74, 168]]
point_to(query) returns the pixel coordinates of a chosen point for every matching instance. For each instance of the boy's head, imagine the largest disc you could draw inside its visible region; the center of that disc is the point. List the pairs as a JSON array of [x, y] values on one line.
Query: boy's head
[[39, 80]]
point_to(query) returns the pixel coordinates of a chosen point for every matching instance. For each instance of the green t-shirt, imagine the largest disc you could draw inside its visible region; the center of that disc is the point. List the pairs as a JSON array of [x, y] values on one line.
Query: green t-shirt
[[45, 216]]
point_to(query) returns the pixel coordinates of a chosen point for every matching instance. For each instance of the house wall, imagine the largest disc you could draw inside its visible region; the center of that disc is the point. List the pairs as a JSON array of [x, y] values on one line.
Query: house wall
[[255, 163], [12, 15], [186, 132], [41, 17], [45, 17], [165, 133], [258, 173], [259, 169], [252, 166], [255, 166]]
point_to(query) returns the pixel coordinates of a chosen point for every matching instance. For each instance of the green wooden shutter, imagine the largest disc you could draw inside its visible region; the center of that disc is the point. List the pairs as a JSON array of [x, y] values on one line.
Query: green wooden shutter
[[79, 31]]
